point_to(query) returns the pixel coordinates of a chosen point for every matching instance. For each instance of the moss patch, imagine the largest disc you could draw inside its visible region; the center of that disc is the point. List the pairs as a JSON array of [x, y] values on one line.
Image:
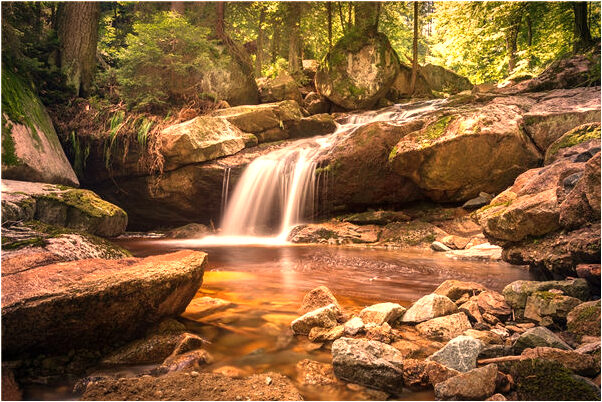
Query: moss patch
[[576, 136], [9, 244], [435, 130], [85, 201], [9, 156]]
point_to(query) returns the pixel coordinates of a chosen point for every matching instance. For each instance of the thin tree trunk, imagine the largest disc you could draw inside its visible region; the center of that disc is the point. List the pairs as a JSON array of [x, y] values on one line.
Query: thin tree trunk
[[511, 41], [415, 51], [275, 41], [583, 37], [78, 37], [343, 28], [294, 21], [366, 15], [329, 11], [349, 9], [260, 40], [219, 23]]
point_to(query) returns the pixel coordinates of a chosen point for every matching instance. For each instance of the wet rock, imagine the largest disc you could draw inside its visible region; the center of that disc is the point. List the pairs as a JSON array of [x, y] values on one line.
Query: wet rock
[[517, 292], [548, 307], [316, 298], [31, 150], [283, 87], [49, 308], [459, 353], [493, 303], [584, 320], [538, 336], [455, 242], [318, 124], [444, 328], [206, 386], [337, 232], [190, 231], [318, 334], [421, 374], [370, 363], [200, 307], [357, 77], [324, 317], [194, 359], [478, 202], [547, 380], [438, 246], [62, 206], [477, 384], [430, 157], [429, 307], [311, 372], [578, 363], [354, 326], [381, 313], [455, 289]]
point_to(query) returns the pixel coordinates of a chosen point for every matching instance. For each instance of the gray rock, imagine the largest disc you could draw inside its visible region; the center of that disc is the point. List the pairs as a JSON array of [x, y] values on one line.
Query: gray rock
[[438, 246], [444, 328], [459, 354], [429, 307], [354, 326], [324, 317], [477, 384], [370, 363], [538, 336], [478, 202], [381, 313]]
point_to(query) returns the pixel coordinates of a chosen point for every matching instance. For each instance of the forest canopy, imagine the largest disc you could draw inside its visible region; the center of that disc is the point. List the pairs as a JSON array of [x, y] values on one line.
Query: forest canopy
[[152, 54]]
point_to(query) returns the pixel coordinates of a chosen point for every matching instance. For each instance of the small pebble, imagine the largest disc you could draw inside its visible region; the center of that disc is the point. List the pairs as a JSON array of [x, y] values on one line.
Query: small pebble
[[194, 373], [268, 380]]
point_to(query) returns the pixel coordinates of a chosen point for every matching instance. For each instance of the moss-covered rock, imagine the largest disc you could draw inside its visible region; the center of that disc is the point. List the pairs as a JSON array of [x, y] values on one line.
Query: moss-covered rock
[[585, 319], [31, 150], [282, 87], [541, 380], [443, 80], [578, 135], [358, 71], [63, 206]]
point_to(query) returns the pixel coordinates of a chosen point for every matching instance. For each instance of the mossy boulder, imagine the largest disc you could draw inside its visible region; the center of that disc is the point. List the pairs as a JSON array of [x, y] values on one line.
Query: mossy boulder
[[578, 135], [541, 380], [31, 150], [585, 319], [455, 156], [517, 292], [282, 87], [443, 80], [63, 206], [358, 71]]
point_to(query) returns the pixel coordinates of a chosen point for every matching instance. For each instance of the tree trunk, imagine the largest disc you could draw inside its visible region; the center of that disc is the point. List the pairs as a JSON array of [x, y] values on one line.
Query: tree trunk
[[583, 37], [260, 40], [178, 7], [349, 9], [343, 27], [414, 51], [511, 41], [219, 22], [78, 37], [294, 22], [329, 11], [366, 16], [275, 41]]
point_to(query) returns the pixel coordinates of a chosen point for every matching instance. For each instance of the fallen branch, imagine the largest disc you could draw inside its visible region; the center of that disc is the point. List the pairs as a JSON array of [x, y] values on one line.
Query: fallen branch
[[500, 359]]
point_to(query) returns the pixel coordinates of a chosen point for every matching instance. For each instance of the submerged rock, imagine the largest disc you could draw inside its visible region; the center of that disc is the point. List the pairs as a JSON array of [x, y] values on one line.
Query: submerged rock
[[477, 384], [63, 306], [459, 353], [429, 307], [370, 363], [200, 307]]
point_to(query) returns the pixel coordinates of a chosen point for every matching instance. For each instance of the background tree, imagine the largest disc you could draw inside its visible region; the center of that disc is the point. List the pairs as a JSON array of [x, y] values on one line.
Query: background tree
[[78, 36], [415, 50]]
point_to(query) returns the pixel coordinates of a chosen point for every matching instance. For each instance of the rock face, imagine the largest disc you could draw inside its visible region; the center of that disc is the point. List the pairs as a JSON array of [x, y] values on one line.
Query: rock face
[[31, 150], [437, 160], [68, 207], [58, 307], [443, 80], [459, 354], [283, 87], [358, 71], [429, 307], [370, 363], [477, 384]]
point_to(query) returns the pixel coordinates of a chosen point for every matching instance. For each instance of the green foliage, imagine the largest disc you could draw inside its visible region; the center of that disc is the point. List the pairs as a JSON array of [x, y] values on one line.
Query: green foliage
[[165, 62]]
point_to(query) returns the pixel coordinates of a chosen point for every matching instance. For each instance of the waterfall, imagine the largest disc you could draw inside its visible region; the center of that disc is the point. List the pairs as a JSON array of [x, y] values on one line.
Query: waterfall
[[277, 190]]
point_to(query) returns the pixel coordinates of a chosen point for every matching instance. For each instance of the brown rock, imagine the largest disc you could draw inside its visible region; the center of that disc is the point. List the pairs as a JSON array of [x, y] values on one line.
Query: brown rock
[[493, 303], [420, 374], [579, 363], [316, 298], [476, 384], [584, 319], [318, 334], [455, 289], [591, 273], [311, 372], [455, 242], [62, 306], [194, 359]]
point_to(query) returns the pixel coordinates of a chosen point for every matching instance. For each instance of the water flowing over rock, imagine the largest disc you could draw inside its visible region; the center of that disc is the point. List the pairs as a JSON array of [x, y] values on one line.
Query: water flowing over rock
[[358, 71], [370, 363], [31, 150], [62, 306], [459, 353], [429, 307]]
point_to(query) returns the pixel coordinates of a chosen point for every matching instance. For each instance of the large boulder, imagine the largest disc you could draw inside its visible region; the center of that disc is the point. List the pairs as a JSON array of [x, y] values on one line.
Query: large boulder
[[58, 307], [31, 150], [402, 86], [455, 156], [358, 71], [370, 363], [443, 80], [63, 206]]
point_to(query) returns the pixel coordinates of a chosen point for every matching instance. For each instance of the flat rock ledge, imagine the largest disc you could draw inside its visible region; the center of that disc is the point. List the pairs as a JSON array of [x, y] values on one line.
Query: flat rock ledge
[[95, 302]]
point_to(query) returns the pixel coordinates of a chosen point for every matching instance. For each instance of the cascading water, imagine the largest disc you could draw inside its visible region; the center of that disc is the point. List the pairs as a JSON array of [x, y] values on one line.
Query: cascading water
[[276, 189]]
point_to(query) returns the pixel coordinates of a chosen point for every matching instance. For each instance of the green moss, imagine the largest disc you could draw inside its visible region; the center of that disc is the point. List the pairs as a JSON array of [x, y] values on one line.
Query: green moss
[[85, 201], [8, 244], [436, 130], [589, 313], [9, 156], [547, 295], [546, 380], [576, 136]]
